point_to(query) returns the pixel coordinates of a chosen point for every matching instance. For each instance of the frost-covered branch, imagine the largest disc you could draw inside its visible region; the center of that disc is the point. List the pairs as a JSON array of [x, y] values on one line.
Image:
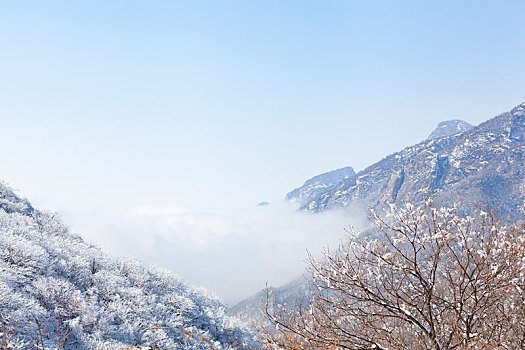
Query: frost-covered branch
[[426, 278]]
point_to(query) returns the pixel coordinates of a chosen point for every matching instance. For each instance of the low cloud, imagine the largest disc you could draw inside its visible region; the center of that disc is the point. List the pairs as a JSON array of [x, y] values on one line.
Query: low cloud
[[233, 253]]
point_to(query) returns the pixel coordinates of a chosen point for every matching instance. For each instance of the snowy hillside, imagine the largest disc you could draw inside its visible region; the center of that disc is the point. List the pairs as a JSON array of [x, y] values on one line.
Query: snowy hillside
[[58, 290]]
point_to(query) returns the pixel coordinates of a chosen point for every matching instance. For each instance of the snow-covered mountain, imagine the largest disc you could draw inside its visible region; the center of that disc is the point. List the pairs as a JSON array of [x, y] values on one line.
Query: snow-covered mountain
[[457, 163], [61, 292], [484, 163], [313, 187]]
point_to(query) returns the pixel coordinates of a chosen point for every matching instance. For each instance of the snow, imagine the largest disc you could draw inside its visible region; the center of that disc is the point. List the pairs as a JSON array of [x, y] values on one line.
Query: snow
[[49, 274]]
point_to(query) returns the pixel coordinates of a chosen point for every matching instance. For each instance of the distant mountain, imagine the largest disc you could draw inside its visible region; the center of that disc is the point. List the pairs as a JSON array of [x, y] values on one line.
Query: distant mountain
[[81, 298], [482, 164], [319, 184], [251, 310], [449, 128]]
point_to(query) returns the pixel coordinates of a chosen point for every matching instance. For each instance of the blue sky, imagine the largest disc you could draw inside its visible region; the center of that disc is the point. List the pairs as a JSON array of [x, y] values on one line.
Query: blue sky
[[106, 106]]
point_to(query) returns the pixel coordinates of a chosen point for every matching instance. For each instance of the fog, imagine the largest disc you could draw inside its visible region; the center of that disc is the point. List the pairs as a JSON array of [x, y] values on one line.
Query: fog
[[233, 253]]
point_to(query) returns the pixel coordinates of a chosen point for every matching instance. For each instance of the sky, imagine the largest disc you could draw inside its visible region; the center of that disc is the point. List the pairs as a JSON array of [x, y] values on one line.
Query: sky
[[155, 127]]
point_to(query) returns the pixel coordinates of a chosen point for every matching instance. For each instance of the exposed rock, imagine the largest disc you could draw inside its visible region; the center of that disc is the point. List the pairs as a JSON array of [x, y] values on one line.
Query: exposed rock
[[320, 184], [449, 128]]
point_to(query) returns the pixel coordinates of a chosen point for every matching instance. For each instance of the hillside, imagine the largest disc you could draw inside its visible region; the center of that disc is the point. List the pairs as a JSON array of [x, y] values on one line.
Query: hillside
[[81, 298]]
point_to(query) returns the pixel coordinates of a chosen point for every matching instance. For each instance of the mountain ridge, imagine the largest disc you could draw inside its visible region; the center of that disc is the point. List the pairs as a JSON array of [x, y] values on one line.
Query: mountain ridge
[[473, 163], [320, 184]]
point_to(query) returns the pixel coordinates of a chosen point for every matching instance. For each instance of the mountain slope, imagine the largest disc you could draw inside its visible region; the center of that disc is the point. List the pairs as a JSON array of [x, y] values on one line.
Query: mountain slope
[[482, 164], [320, 184], [252, 308], [81, 297]]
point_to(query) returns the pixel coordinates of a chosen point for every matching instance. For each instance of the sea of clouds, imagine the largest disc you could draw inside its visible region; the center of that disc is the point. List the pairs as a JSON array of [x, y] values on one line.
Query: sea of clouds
[[231, 252]]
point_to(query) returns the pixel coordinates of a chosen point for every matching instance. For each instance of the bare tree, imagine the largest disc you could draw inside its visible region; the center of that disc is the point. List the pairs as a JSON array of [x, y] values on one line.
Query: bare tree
[[427, 278]]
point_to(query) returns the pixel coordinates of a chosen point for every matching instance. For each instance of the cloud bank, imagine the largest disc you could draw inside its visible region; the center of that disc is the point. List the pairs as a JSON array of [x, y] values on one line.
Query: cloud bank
[[233, 253]]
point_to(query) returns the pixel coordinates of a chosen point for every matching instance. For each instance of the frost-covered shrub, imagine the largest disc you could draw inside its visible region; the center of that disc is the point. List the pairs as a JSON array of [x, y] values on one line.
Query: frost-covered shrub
[[57, 290]]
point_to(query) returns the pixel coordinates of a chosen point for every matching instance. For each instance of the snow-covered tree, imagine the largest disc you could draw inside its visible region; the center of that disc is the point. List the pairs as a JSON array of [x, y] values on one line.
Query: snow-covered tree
[[59, 292], [427, 278]]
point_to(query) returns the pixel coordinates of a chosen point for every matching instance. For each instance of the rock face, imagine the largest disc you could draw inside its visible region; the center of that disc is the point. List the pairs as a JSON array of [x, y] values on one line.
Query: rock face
[[483, 164], [319, 184], [449, 128]]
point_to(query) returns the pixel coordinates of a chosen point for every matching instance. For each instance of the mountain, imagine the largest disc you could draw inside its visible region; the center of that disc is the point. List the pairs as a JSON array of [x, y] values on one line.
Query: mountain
[[482, 164], [313, 187], [251, 310], [61, 292], [449, 128], [457, 163]]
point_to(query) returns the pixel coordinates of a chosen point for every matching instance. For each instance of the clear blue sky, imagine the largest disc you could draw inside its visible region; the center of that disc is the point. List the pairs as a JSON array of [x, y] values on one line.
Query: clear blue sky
[[107, 104]]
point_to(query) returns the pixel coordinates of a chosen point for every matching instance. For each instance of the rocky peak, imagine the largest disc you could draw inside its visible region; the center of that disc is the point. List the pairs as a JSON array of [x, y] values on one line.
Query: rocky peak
[[449, 128]]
